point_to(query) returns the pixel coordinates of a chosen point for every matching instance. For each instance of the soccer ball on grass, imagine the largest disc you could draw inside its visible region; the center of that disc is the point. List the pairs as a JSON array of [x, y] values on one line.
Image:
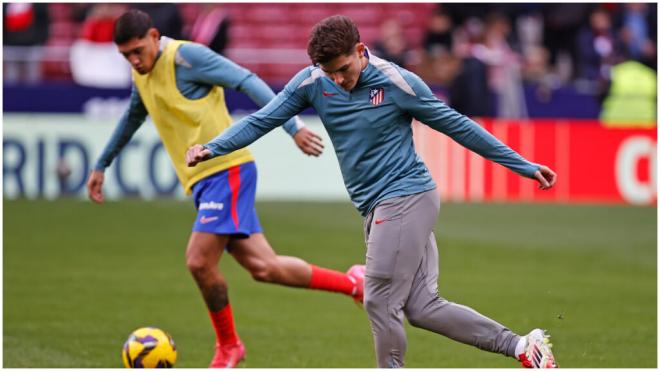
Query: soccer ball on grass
[[149, 347]]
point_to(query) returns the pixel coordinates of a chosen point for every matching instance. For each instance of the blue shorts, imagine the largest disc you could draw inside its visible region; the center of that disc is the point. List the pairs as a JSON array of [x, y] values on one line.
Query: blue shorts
[[225, 202]]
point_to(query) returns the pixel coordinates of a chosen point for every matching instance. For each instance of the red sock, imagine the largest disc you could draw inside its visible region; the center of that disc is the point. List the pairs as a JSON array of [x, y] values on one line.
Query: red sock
[[223, 323], [330, 280]]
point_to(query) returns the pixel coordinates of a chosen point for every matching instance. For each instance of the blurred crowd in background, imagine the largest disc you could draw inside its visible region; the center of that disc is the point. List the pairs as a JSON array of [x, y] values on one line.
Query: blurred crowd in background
[[469, 51]]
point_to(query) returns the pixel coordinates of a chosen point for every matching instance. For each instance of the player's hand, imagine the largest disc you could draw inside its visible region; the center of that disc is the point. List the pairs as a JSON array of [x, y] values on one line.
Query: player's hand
[[197, 154], [95, 186], [546, 177], [309, 142]]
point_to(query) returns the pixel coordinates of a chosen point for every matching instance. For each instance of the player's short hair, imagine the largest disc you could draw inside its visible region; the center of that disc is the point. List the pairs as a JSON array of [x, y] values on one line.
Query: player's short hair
[[132, 24], [332, 37]]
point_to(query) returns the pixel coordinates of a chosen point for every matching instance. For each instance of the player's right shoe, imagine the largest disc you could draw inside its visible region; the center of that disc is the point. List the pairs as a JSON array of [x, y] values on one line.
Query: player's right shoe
[[228, 356], [537, 351], [356, 274]]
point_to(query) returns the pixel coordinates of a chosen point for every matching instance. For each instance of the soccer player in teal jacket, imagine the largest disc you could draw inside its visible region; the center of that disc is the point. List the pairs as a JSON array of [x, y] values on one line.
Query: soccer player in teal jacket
[[367, 105]]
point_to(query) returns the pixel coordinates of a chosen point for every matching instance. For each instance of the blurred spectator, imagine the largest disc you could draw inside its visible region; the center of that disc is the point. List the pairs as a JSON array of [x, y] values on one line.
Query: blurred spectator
[[25, 28], [469, 92], [504, 66], [536, 69], [25, 24], [438, 39], [99, 23], [166, 17], [560, 26], [537, 72], [94, 58], [636, 22], [463, 13], [529, 28], [632, 97], [438, 64], [392, 45], [211, 28], [596, 53]]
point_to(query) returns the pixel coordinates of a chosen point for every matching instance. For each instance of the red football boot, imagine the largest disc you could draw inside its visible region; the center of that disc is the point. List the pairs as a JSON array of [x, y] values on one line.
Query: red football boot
[[228, 356], [356, 274]]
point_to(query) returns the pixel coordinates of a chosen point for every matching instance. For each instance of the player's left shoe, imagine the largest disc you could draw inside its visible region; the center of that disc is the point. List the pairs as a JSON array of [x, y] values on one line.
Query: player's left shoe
[[228, 356], [537, 351], [356, 274]]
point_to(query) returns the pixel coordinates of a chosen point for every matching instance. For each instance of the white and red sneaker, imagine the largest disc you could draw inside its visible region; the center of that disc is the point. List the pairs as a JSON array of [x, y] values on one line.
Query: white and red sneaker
[[228, 356], [537, 351], [356, 274]]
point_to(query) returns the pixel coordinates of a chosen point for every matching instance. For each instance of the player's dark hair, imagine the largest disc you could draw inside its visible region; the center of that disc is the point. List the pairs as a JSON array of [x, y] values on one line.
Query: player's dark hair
[[132, 24], [332, 37]]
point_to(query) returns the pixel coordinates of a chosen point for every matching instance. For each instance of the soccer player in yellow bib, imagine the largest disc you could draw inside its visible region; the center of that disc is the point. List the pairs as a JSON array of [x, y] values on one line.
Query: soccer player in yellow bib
[[180, 85]]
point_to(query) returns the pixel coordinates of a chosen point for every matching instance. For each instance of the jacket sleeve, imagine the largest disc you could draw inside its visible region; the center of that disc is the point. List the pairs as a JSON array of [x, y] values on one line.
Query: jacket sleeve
[[428, 109], [288, 103], [128, 124], [208, 67]]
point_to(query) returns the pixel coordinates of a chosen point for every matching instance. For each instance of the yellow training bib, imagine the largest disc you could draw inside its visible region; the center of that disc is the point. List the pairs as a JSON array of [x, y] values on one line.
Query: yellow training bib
[[183, 122]]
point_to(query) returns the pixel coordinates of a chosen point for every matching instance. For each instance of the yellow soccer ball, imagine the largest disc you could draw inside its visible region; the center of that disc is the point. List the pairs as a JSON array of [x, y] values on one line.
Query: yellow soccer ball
[[149, 347]]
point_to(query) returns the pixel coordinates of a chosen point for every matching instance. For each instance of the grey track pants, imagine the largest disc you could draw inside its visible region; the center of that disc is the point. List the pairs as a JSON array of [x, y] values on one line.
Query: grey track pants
[[402, 279]]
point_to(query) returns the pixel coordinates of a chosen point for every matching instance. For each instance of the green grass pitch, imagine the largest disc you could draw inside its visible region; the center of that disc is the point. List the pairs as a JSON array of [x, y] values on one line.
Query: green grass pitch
[[78, 278]]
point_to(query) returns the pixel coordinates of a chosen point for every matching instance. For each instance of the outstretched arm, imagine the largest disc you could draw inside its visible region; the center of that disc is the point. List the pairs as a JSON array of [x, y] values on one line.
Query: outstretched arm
[[129, 123], [288, 103], [308, 141], [425, 107], [208, 67]]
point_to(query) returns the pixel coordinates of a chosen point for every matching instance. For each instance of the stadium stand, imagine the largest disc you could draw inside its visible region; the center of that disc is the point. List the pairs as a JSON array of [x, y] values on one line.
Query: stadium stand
[[271, 38], [267, 27]]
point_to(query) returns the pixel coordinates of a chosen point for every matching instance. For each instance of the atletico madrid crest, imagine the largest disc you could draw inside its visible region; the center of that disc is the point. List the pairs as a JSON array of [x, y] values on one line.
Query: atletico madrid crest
[[376, 96]]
